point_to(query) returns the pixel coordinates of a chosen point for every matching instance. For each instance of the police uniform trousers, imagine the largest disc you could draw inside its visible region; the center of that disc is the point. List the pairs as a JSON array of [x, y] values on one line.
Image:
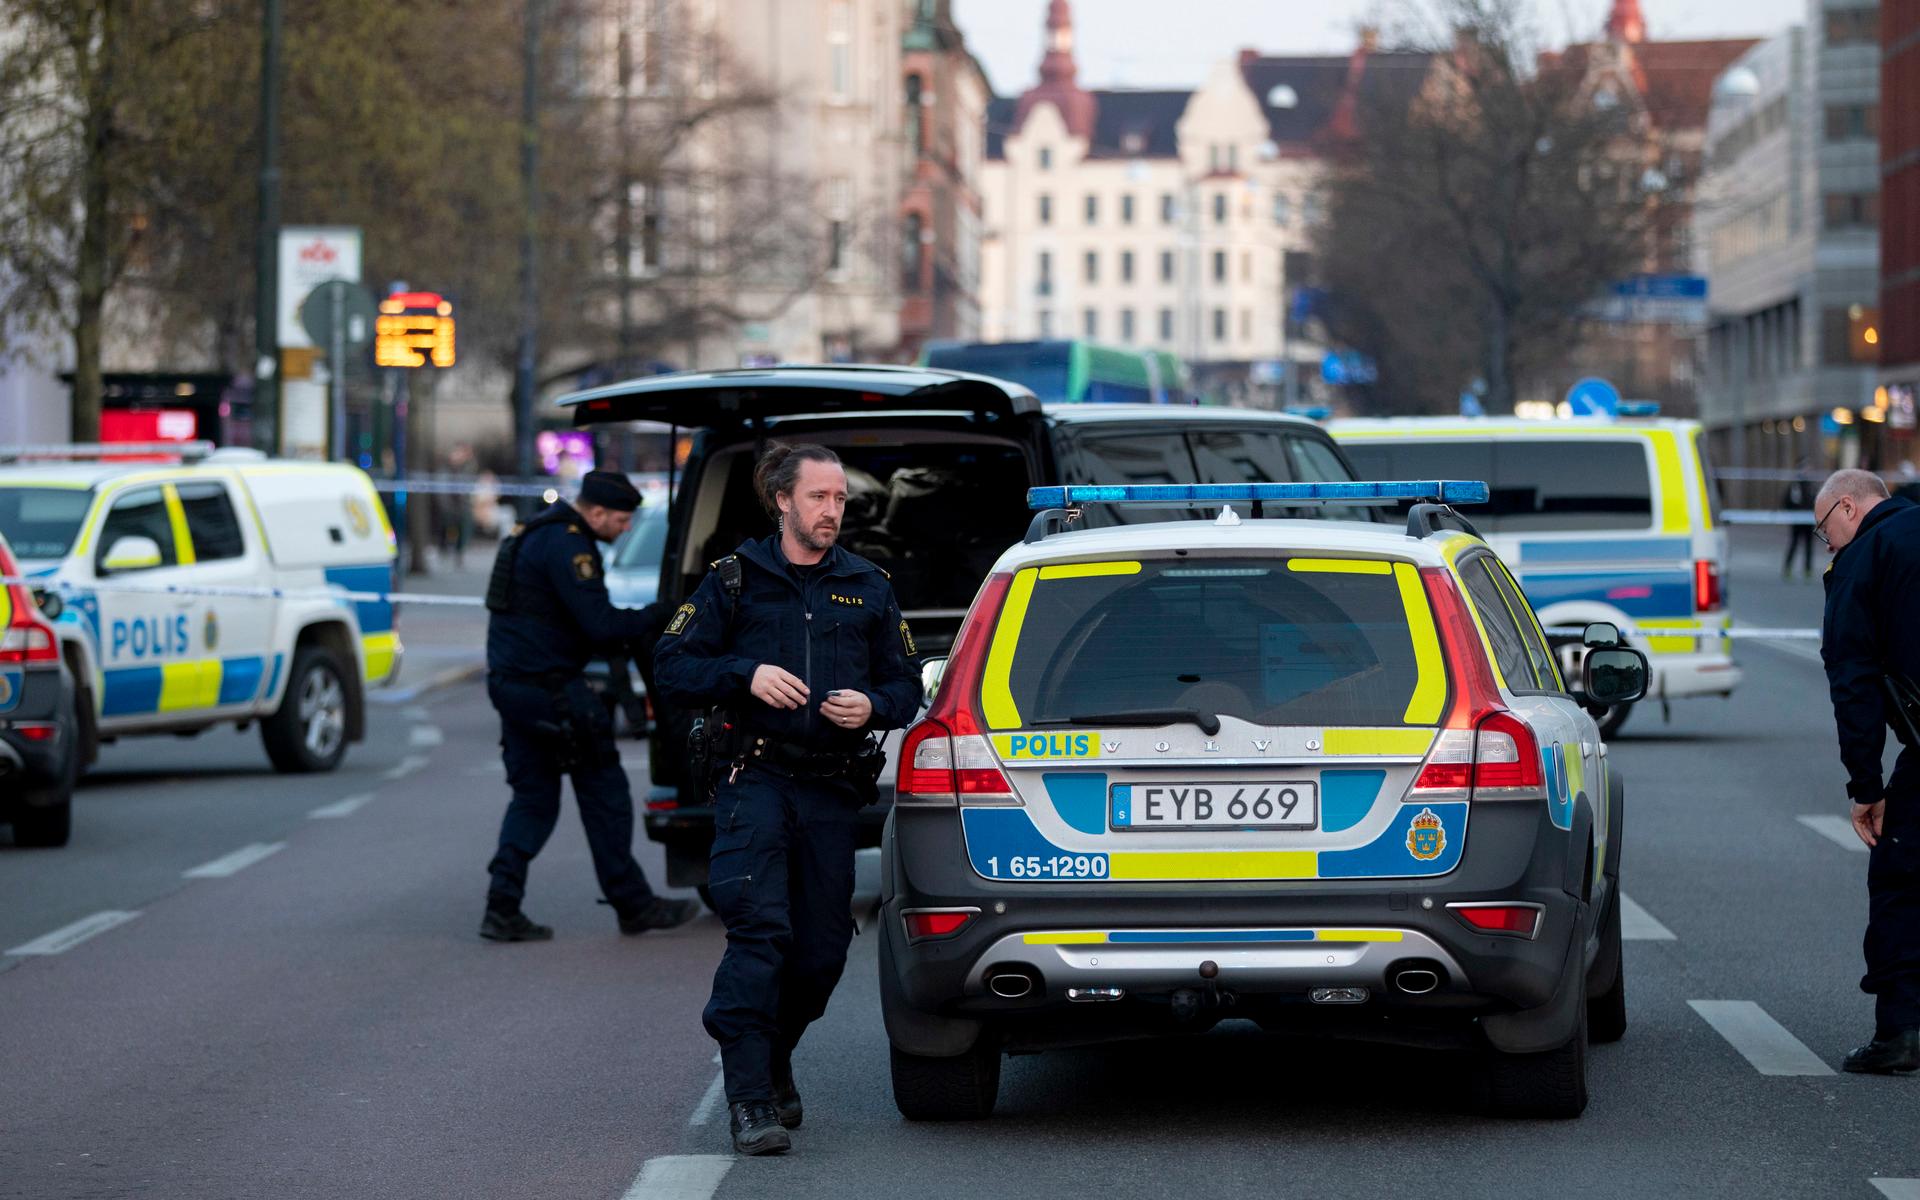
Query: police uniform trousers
[[782, 880], [533, 742], [1893, 904]]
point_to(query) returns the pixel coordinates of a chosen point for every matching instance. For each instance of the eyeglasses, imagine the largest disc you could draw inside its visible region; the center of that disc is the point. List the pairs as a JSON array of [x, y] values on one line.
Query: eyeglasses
[[1820, 526]]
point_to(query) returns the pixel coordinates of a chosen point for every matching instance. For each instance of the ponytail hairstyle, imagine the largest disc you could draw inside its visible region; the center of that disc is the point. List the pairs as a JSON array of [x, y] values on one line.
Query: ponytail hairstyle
[[778, 471]]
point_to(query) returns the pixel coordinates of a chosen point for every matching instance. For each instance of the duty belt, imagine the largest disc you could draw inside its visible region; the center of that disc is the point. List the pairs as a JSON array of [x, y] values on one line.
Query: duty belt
[[790, 758]]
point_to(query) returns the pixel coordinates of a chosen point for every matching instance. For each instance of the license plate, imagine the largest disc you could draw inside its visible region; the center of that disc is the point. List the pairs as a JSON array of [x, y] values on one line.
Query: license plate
[[1283, 804]]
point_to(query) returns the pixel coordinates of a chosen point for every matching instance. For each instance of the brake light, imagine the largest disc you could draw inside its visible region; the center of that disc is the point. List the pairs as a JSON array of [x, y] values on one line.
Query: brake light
[[926, 924], [27, 638], [1506, 755], [1483, 747], [1520, 919], [945, 755], [1474, 691], [1707, 594]]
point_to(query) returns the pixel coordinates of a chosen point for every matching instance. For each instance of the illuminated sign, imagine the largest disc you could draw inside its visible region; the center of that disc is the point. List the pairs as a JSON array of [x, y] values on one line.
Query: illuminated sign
[[414, 329]]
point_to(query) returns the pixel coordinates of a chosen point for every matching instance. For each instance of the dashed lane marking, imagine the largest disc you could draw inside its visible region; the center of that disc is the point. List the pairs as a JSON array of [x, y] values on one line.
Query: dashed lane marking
[[710, 1103], [340, 808], [1639, 925], [1759, 1038], [425, 737], [238, 861], [1835, 829], [68, 936], [404, 768], [1897, 1189], [680, 1177]]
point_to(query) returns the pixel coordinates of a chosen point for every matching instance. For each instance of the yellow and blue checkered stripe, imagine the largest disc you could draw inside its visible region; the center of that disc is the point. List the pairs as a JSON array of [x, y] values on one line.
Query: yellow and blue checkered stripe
[[182, 686], [379, 641]]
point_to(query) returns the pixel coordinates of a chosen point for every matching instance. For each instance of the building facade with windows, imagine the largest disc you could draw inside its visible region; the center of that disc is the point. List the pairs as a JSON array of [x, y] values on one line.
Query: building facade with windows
[[1900, 200], [1787, 232], [1170, 219], [945, 94]]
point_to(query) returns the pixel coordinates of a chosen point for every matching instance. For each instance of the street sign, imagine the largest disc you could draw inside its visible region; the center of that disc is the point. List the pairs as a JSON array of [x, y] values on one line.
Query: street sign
[[353, 303], [309, 256], [1654, 300], [1592, 397]]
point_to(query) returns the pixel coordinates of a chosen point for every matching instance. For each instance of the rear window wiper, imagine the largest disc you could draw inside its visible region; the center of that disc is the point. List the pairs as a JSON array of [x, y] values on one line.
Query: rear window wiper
[[1208, 723]]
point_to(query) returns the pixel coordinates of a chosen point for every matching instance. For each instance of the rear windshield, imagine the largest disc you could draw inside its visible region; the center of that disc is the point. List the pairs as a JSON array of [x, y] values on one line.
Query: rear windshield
[[1577, 483], [1271, 641], [41, 522], [645, 543]]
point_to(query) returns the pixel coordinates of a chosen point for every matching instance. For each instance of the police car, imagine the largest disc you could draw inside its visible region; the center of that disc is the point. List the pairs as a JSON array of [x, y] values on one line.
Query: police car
[[1321, 775], [1611, 521], [212, 590], [39, 722]]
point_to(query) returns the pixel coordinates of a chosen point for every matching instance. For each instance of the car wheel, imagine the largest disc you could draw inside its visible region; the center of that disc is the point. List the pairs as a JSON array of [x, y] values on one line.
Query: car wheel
[[961, 1088], [308, 732], [1607, 1012], [1550, 1085]]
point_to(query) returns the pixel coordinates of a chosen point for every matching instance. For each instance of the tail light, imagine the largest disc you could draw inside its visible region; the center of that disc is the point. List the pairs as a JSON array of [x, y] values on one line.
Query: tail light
[[36, 731], [27, 638], [1506, 757], [925, 923], [1707, 592], [945, 756], [1521, 920], [1483, 750]]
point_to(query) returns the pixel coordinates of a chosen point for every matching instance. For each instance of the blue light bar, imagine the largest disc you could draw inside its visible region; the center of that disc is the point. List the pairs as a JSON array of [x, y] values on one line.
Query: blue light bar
[[1446, 491], [1637, 408]]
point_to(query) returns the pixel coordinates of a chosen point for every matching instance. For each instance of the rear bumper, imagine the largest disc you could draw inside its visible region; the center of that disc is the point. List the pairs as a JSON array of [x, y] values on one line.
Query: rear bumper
[[1679, 675], [1270, 943]]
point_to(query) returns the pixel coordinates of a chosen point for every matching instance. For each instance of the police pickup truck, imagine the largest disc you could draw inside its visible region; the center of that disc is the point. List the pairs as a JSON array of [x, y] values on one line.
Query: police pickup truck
[[210, 590]]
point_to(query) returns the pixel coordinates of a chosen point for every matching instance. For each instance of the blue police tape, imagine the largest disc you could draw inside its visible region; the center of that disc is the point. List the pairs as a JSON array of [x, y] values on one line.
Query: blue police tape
[[247, 593], [1757, 634]]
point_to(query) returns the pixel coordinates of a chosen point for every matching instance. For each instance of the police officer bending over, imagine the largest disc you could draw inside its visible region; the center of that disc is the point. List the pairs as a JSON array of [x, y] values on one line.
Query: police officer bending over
[[549, 616], [803, 647]]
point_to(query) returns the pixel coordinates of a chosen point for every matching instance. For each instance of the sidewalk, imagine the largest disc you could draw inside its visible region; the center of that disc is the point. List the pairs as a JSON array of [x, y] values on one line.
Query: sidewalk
[[443, 645]]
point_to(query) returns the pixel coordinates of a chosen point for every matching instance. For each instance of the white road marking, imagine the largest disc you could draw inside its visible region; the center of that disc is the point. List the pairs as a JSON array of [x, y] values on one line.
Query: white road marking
[[1639, 925], [340, 808], [405, 767], [238, 861], [680, 1177], [425, 737], [68, 936], [1897, 1189], [1759, 1038], [1835, 829], [710, 1103]]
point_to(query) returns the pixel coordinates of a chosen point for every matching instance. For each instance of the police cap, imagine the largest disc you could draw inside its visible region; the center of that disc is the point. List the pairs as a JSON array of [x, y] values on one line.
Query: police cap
[[609, 489]]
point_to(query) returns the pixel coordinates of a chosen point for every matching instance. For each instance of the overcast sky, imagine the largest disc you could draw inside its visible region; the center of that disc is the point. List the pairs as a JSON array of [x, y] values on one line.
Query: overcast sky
[[1171, 43]]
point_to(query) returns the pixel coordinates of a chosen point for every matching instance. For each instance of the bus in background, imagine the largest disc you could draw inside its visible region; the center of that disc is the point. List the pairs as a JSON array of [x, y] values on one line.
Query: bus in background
[[1070, 372]]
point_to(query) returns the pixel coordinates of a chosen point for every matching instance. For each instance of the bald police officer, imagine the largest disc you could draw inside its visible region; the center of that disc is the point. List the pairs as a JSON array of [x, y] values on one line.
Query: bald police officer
[[549, 615], [803, 644]]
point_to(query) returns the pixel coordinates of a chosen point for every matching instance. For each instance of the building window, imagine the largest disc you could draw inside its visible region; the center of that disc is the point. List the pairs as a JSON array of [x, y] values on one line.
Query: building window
[[1093, 210], [1310, 209], [1848, 26], [1090, 323], [1046, 158], [1849, 336], [1219, 324], [912, 253], [1246, 266], [1853, 122], [1219, 266], [1220, 208], [1046, 210], [1282, 210], [1092, 266], [1046, 323], [1126, 266], [1126, 326], [840, 52], [1167, 211], [916, 116], [1166, 325], [1852, 210], [1126, 210], [1045, 286], [1233, 159], [1246, 324], [1166, 266]]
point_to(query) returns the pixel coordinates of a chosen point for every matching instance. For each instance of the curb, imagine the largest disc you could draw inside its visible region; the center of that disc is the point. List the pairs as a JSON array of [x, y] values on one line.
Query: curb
[[451, 677]]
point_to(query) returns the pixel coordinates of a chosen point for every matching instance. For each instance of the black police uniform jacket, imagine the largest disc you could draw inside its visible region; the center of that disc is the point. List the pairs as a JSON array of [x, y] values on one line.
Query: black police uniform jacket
[[836, 625], [561, 616], [1873, 598]]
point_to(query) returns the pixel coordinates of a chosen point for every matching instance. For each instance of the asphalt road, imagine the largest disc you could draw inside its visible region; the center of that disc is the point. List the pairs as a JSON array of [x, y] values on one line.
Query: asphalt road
[[322, 1021]]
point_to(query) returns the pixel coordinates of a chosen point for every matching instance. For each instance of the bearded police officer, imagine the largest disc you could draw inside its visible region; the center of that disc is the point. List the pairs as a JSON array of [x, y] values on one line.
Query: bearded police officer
[[1870, 643], [802, 647], [549, 615]]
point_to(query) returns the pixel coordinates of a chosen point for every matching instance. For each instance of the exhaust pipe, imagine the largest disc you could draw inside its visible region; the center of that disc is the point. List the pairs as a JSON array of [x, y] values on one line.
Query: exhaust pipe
[[1416, 981], [1009, 985]]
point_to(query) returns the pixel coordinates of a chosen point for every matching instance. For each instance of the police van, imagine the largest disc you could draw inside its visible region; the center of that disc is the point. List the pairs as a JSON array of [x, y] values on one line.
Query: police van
[[211, 591], [1320, 775], [1611, 521]]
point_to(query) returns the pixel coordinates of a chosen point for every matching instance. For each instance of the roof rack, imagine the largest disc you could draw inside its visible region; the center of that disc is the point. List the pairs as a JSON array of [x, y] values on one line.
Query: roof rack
[[1056, 506], [95, 451]]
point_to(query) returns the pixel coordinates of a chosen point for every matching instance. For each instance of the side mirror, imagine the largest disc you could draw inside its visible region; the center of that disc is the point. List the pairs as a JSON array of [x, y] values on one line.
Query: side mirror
[[51, 605], [1601, 634], [931, 671], [1614, 675], [132, 553]]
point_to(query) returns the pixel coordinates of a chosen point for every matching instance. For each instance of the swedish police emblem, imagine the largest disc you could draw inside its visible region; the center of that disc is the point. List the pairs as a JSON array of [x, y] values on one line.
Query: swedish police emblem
[[1426, 837]]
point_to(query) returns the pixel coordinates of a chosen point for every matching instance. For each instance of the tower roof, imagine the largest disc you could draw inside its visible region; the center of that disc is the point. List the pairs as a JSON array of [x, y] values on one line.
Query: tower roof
[[1058, 71]]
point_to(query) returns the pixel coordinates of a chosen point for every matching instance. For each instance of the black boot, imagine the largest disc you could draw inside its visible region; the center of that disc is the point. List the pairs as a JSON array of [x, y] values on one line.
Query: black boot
[[659, 913], [1891, 1054], [756, 1129], [511, 925], [786, 1098]]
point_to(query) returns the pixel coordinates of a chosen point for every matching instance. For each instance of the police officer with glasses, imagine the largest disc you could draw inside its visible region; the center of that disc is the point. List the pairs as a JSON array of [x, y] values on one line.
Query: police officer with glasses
[[802, 647], [549, 615]]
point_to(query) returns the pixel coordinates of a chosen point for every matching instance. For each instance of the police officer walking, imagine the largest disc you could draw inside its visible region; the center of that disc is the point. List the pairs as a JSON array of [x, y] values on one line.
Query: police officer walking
[[802, 646], [549, 615], [1871, 646]]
